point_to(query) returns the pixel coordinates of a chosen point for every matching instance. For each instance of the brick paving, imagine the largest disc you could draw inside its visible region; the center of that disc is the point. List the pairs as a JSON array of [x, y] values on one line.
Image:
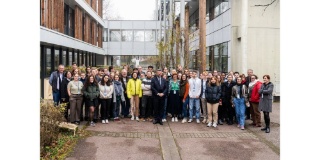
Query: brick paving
[[143, 140]]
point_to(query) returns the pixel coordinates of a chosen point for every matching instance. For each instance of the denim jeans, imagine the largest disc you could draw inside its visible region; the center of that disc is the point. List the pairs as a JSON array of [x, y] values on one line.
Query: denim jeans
[[56, 97], [240, 110], [191, 103], [125, 108], [116, 107], [165, 108], [184, 107]]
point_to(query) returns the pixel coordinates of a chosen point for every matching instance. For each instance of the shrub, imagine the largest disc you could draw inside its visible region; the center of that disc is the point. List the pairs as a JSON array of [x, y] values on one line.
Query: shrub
[[50, 118]]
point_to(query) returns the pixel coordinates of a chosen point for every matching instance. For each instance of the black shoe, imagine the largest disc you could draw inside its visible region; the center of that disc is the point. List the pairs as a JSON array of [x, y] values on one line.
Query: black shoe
[[264, 129], [230, 123], [160, 122], [268, 130], [86, 118], [81, 119]]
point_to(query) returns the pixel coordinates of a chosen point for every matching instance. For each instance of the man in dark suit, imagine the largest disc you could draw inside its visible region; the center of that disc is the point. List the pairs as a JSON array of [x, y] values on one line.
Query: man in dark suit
[[159, 91], [248, 80]]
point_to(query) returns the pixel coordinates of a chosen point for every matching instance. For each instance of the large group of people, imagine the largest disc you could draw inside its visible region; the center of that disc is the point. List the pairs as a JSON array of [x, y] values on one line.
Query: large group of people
[[152, 96]]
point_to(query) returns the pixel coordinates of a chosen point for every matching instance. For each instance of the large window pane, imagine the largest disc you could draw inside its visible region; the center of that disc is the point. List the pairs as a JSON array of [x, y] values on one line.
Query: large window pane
[[150, 36], [76, 58], [115, 35], [127, 36], [48, 62], [138, 36], [224, 6], [70, 58], [64, 58], [80, 59], [56, 59]]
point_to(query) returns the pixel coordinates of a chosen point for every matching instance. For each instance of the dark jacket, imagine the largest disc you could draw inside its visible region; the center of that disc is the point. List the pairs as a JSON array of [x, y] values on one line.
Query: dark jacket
[[124, 86], [54, 77], [157, 88], [91, 92], [64, 90], [226, 90], [213, 93], [83, 80], [202, 91]]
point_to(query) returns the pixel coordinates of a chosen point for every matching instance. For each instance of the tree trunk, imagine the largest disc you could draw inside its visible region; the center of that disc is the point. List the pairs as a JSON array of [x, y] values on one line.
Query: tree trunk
[[202, 39], [186, 37]]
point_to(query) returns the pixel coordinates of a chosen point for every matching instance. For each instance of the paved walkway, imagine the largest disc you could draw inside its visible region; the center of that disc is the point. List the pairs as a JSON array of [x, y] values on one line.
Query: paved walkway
[[143, 140]]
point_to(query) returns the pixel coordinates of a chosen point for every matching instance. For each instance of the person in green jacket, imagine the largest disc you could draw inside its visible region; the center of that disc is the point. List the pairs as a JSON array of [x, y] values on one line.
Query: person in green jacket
[[134, 91], [91, 93]]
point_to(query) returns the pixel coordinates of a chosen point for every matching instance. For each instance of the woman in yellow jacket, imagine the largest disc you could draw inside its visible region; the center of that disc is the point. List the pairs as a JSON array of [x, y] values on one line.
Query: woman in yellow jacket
[[134, 91]]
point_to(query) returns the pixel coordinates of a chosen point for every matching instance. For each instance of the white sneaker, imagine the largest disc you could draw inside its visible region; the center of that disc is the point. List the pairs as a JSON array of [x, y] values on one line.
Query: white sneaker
[[103, 121], [92, 124], [184, 120], [209, 124], [198, 121], [190, 120], [132, 118], [172, 120], [214, 124], [176, 119], [137, 118], [164, 120], [107, 121]]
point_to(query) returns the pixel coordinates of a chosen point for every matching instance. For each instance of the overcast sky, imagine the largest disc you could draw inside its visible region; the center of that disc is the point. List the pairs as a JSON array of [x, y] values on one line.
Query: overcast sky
[[134, 9]]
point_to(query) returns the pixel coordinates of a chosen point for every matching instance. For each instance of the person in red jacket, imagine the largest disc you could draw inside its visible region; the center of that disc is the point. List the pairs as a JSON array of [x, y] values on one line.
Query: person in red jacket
[[254, 98]]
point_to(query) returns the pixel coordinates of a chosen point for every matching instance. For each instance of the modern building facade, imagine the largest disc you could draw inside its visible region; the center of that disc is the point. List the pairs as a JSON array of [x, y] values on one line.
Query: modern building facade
[[70, 31], [239, 36]]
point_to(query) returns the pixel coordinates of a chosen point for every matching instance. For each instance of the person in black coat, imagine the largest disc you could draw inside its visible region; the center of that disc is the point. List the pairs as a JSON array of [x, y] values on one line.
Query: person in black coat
[[226, 98], [159, 91], [124, 79], [64, 92]]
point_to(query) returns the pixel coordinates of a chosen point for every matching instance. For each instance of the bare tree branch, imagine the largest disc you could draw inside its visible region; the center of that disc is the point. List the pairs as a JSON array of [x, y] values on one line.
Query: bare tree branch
[[265, 5]]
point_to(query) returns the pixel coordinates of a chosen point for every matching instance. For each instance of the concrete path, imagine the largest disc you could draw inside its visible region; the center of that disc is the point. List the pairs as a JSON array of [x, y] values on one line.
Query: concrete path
[[143, 140]]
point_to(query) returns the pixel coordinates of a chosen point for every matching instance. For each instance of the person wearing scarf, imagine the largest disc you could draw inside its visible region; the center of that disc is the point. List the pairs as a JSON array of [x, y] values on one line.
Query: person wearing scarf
[[254, 98], [118, 97], [239, 97]]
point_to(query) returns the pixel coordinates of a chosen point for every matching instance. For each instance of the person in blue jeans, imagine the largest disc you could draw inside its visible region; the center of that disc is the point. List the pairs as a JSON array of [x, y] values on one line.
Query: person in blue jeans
[[194, 94], [55, 81], [184, 96], [239, 99]]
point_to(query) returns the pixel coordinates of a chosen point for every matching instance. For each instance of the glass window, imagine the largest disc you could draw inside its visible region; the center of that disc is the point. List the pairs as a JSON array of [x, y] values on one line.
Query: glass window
[[138, 36], [115, 35], [221, 57], [48, 62], [126, 36], [105, 35], [150, 36], [56, 59], [224, 6], [80, 59], [64, 57], [70, 58], [76, 58]]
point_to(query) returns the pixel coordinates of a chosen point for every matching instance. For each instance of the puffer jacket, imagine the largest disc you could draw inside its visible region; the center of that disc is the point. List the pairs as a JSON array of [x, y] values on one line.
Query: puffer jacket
[[91, 92], [213, 93], [134, 88]]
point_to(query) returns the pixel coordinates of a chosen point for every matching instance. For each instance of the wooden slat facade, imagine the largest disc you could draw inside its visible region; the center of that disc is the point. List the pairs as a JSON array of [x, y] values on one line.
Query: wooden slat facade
[[85, 28], [94, 5], [78, 22], [100, 8]]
